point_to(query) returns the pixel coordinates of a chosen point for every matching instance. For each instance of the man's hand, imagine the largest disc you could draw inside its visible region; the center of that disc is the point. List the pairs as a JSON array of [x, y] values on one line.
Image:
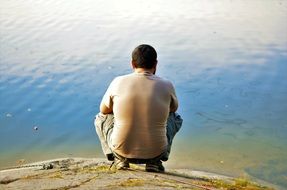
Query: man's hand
[[173, 105], [105, 110]]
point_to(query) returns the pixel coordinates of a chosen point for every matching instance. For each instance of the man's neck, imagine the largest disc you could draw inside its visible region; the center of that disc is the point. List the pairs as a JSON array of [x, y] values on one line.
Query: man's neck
[[142, 70]]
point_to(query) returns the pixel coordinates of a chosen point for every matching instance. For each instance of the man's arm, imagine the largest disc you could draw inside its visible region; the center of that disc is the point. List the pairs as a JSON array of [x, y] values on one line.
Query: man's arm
[[106, 106], [174, 102], [173, 105]]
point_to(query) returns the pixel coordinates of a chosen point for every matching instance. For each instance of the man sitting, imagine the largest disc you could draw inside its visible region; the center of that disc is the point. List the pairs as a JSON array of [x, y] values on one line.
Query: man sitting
[[137, 119]]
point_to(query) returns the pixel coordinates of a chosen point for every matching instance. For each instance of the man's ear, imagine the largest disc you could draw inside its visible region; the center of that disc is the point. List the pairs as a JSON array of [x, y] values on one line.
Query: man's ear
[[154, 67], [155, 64], [133, 65]]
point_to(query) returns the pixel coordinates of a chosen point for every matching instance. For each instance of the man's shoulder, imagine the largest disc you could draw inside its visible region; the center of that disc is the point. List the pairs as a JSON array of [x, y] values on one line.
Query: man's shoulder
[[133, 77], [122, 77], [163, 80]]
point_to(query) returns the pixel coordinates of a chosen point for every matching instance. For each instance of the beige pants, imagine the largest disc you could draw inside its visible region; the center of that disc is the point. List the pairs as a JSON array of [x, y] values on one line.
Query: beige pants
[[104, 126]]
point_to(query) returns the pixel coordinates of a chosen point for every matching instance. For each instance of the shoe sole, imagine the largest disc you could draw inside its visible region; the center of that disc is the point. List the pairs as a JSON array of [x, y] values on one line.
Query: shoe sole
[[153, 169]]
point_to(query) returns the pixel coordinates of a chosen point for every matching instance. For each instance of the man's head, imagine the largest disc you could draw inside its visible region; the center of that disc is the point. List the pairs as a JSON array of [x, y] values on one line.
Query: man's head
[[144, 56]]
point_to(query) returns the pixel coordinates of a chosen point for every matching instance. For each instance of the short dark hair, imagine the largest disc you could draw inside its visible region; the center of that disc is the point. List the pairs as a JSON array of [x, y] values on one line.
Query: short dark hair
[[144, 56]]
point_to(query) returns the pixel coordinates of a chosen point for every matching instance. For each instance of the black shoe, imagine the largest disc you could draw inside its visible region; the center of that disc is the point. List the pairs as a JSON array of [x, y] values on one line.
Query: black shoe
[[110, 157], [164, 157], [154, 167]]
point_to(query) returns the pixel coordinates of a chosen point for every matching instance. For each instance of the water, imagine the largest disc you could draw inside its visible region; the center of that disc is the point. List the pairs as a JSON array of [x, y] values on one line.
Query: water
[[227, 60]]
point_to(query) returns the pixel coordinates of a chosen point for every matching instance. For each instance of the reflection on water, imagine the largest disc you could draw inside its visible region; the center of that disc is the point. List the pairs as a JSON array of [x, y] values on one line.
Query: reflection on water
[[226, 59]]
